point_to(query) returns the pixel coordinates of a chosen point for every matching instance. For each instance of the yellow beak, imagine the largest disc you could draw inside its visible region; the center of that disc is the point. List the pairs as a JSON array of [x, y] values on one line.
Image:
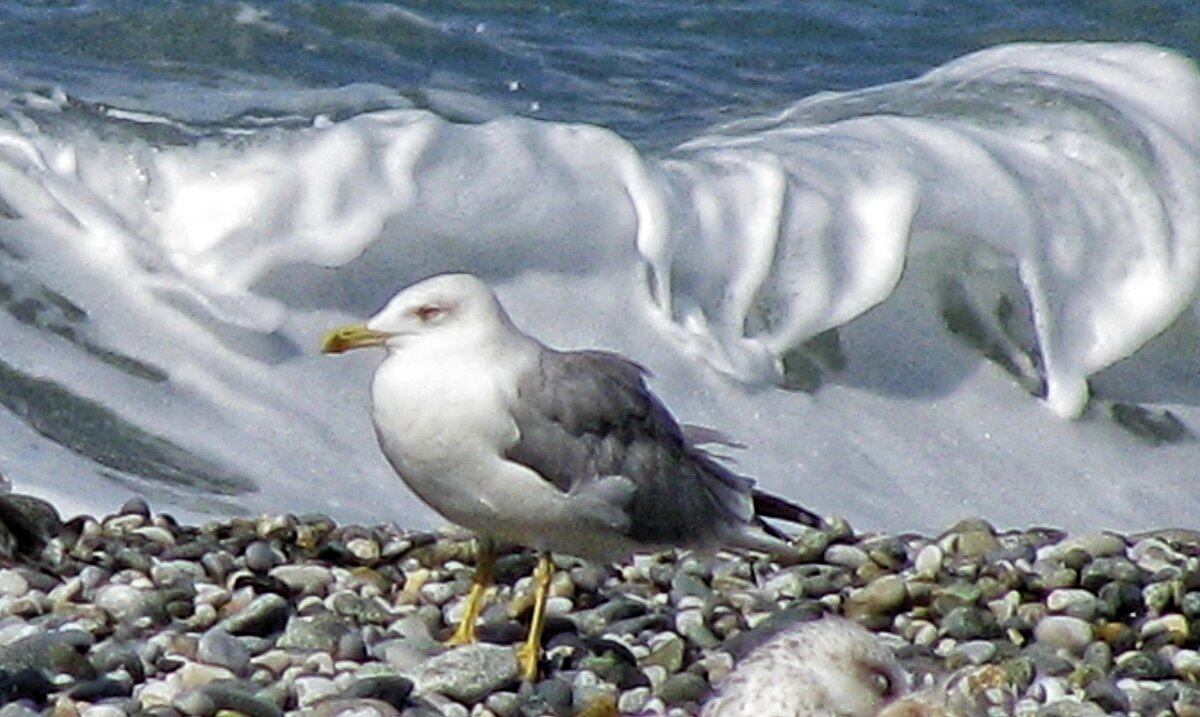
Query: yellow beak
[[354, 336]]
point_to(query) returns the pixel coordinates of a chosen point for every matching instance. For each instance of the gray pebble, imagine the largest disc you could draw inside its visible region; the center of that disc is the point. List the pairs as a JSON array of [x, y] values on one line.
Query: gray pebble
[[970, 623], [503, 704], [218, 647], [468, 673], [1064, 632], [882, 596], [666, 649], [1074, 602], [683, 688], [1142, 666], [306, 579], [392, 689], [847, 556], [976, 652], [634, 700], [261, 557], [265, 615]]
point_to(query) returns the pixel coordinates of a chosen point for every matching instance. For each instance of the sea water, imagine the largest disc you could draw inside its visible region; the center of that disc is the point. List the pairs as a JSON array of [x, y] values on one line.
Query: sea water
[[925, 260]]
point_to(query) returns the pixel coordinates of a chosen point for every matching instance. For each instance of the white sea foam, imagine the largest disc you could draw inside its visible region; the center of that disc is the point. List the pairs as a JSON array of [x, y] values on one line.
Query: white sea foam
[[1061, 177]]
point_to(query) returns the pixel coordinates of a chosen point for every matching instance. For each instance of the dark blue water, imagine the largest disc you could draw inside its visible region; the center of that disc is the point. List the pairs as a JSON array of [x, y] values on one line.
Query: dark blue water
[[655, 72]]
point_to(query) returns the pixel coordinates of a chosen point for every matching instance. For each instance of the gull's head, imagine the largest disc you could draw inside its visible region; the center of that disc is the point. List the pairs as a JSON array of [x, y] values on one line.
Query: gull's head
[[446, 308]]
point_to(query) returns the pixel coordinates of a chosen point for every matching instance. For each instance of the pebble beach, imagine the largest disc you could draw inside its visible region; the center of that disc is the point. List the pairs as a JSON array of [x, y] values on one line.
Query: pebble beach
[[135, 613]]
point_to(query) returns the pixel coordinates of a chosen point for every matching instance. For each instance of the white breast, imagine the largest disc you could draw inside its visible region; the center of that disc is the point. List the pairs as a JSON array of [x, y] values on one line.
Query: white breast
[[444, 423]]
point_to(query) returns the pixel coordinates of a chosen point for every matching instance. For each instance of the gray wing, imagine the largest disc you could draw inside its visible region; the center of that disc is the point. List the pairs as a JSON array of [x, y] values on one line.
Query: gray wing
[[587, 415]]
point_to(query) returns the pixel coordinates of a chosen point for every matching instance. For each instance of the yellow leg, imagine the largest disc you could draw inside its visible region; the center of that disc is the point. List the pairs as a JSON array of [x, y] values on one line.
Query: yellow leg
[[485, 567], [530, 654]]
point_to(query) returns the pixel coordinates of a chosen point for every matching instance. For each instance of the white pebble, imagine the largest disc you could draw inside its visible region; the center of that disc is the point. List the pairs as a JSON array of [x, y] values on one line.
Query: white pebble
[[92, 576], [156, 534], [157, 693], [120, 525], [102, 711], [1049, 689], [656, 674], [364, 549], [121, 601], [977, 652], [1154, 555], [928, 562], [1174, 625], [203, 617], [633, 701], [1081, 603], [925, 635], [847, 556], [437, 593], [195, 674], [66, 592], [1186, 664], [559, 606], [311, 689], [1005, 607], [13, 584], [1094, 544], [1064, 632]]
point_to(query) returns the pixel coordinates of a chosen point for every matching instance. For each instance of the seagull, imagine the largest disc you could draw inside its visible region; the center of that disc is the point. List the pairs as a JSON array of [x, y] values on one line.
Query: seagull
[[824, 668], [559, 451]]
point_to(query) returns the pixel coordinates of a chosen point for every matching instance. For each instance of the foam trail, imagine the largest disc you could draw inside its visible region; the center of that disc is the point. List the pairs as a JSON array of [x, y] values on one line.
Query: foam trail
[[1076, 161], [1064, 158]]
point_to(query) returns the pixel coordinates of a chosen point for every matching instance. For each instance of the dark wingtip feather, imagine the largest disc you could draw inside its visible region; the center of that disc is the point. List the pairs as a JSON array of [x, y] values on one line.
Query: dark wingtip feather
[[767, 505]]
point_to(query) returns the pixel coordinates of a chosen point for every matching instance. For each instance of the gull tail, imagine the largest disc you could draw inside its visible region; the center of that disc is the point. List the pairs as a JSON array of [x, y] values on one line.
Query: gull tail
[[767, 505]]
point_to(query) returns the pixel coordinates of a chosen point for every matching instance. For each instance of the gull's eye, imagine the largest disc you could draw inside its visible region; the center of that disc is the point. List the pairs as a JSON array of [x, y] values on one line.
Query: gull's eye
[[882, 682], [429, 312]]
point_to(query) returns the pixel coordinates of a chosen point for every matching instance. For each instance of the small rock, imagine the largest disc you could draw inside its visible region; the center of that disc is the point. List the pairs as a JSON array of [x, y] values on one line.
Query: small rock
[[633, 701], [392, 689], [1173, 628], [468, 673], [666, 649], [367, 551], [305, 579], [883, 596], [683, 688], [1142, 666], [503, 704], [1064, 632], [261, 557], [218, 647], [311, 689], [1074, 602], [1186, 664], [1107, 696], [976, 652], [848, 556], [1095, 545], [266, 615], [928, 562], [970, 623], [554, 696]]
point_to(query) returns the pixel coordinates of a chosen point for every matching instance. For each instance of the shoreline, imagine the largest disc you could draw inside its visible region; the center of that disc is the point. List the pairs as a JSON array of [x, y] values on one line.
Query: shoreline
[[133, 613]]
